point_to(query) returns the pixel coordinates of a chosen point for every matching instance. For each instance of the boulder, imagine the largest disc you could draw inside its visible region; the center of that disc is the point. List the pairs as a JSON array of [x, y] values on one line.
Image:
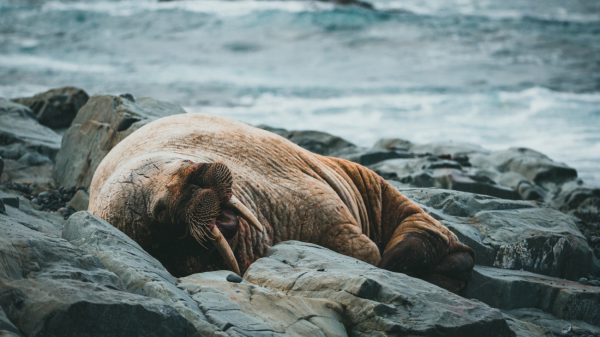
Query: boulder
[[138, 272], [56, 108], [20, 133], [50, 288], [511, 234], [512, 289], [99, 125], [377, 302], [316, 141]]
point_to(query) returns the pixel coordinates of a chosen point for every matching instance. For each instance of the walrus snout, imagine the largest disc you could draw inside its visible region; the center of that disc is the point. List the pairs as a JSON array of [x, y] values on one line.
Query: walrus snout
[[201, 216]]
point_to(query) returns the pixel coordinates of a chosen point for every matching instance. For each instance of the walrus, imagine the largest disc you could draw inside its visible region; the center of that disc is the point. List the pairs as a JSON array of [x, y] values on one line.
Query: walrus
[[202, 193]]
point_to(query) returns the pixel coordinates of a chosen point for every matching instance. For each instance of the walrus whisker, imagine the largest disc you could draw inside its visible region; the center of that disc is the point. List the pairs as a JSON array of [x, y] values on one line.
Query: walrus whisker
[[245, 212], [224, 249]]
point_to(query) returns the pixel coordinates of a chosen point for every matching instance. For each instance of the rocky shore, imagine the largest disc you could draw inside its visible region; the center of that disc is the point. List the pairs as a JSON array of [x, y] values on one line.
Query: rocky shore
[[534, 225]]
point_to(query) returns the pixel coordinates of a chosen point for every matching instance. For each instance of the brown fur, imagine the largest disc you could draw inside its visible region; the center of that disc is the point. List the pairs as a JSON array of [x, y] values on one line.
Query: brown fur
[[295, 194]]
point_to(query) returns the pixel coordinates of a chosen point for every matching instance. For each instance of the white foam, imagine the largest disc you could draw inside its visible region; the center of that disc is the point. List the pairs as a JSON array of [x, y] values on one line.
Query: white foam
[[491, 9], [214, 7], [29, 61]]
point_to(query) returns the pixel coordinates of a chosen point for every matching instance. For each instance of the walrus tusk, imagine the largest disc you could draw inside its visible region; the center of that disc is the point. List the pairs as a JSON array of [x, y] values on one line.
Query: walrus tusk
[[225, 249], [246, 213]]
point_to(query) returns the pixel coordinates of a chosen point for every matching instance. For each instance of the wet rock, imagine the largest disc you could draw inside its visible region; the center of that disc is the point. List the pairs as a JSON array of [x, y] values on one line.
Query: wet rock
[[138, 272], [316, 141], [552, 326], [377, 302], [20, 133], [56, 108], [511, 234], [249, 309], [7, 329], [80, 201], [534, 166], [512, 289], [50, 288], [52, 200], [99, 125], [9, 200]]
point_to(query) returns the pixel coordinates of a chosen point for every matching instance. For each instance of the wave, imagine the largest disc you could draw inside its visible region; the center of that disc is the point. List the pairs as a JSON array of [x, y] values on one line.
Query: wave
[[433, 8], [519, 10], [212, 7], [28, 61]]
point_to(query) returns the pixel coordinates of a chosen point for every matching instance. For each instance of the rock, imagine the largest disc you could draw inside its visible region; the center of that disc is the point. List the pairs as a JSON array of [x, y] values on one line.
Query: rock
[[9, 200], [551, 325], [56, 108], [511, 289], [52, 200], [80, 201], [316, 141], [139, 273], [99, 125], [511, 234], [50, 288], [249, 309], [534, 166], [377, 302], [20, 133], [7, 329]]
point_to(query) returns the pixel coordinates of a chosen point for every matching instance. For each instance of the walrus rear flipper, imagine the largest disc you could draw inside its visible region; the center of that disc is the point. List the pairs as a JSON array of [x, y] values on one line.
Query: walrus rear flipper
[[428, 256]]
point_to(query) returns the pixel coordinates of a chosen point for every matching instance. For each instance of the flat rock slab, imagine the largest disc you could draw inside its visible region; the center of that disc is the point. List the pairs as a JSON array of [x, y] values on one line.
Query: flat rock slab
[[377, 302], [511, 289], [544, 324], [253, 310]]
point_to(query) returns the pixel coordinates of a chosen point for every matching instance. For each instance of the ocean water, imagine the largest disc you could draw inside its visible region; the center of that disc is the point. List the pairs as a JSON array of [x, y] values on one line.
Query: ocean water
[[496, 73]]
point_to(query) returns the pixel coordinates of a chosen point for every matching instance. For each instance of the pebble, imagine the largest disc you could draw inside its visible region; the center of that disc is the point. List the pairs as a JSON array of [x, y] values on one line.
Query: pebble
[[234, 278]]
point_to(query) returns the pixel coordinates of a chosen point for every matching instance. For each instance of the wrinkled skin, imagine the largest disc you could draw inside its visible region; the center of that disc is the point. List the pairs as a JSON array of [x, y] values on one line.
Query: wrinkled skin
[[170, 184]]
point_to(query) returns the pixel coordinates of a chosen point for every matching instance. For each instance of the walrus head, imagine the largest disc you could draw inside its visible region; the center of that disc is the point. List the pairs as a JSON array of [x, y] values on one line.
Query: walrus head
[[198, 200]]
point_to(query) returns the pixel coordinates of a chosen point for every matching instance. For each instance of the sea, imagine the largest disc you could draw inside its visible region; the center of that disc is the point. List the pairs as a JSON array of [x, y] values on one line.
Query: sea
[[500, 74]]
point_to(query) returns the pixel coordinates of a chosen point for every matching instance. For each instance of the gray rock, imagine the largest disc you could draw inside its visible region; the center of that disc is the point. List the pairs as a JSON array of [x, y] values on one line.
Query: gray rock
[[138, 272], [550, 325], [48, 287], [7, 329], [316, 141], [21, 130], [250, 309], [511, 234], [56, 108], [99, 125], [80, 201], [534, 166], [511, 289], [377, 302]]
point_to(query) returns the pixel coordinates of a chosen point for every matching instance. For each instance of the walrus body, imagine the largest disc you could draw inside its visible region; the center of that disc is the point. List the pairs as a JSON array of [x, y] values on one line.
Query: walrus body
[[202, 193]]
